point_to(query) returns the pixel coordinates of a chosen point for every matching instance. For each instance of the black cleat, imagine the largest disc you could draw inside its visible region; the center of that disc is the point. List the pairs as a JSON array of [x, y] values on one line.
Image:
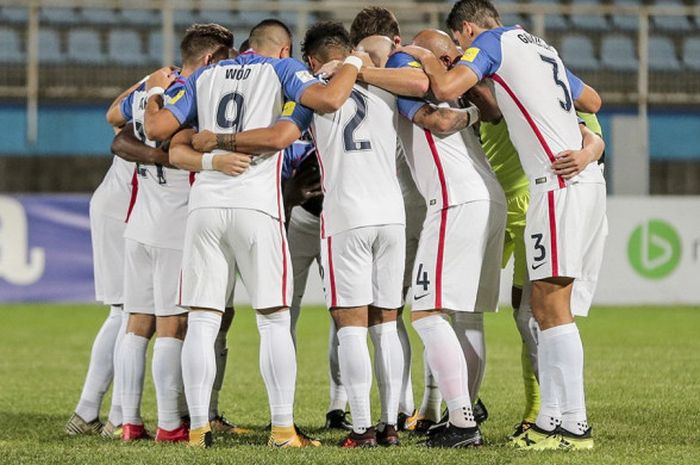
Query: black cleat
[[480, 412], [387, 435], [450, 436], [368, 439], [338, 419]]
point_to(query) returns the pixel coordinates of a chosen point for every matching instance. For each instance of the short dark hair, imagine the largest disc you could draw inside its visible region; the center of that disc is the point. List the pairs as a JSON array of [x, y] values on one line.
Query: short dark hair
[[374, 20], [479, 12], [259, 29], [201, 39], [324, 35]]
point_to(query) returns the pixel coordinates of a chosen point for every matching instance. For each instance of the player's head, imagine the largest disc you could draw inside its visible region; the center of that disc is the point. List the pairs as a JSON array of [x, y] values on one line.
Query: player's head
[[482, 96], [440, 44], [375, 20], [271, 38], [469, 18], [245, 46], [204, 44], [378, 47], [325, 41]]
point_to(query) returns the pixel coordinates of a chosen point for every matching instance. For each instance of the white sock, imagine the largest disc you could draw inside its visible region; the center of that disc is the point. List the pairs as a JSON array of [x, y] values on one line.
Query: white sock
[[199, 364], [406, 403], [356, 369], [167, 378], [432, 399], [133, 367], [564, 378], [388, 367], [100, 368], [447, 363], [338, 396], [278, 365], [470, 332], [221, 352], [115, 411]]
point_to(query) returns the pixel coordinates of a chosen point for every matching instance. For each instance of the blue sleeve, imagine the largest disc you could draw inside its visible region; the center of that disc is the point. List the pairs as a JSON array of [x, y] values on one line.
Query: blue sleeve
[[293, 155], [184, 104], [484, 56], [408, 107], [127, 104], [402, 60], [575, 84], [297, 114], [295, 78]]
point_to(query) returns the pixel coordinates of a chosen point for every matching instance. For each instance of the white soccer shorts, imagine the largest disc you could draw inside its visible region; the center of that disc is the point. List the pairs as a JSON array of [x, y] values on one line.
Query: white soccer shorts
[[151, 276], [108, 258], [304, 235], [458, 264], [364, 266], [222, 241], [565, 234]]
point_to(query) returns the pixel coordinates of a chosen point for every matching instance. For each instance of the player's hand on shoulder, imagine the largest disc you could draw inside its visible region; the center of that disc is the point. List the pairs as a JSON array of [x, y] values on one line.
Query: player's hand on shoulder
[[569, 163], [329, 70], [162, 77], [204, 141], [419, 53], [232, 163]]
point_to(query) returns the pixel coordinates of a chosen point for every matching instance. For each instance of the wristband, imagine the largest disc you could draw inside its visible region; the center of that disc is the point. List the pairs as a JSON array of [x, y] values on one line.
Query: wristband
[[355, 61], [207, 162], [155, 91], [474, 114]]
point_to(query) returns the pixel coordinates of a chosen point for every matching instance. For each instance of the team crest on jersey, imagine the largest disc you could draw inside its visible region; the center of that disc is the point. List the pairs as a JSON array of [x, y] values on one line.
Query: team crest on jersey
[[177, 97], [288, 109], [471, 54], [304, 76]]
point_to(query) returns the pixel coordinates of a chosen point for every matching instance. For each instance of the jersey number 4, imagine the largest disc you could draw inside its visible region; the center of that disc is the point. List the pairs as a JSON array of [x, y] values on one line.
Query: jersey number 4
[[566, 104], [351, 144]]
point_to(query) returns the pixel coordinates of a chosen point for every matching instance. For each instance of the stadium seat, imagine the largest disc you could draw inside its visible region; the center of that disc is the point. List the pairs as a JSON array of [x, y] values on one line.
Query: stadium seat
[[100, 16], [185, 18], [155, 49], [14, 15], [672, 23], [124, 47], [662, 55], [62, 16], [251, 18], [626, 22], [140, 17], [691, 53], [84, 46], [589, 22], [50, 47], [224, 17], [554, 22], [10, 50], [617, 53], [577, 52]]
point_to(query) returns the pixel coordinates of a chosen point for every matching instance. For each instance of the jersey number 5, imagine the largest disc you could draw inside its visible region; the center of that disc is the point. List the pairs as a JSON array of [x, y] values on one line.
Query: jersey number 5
[[352, 145], [566, 104]]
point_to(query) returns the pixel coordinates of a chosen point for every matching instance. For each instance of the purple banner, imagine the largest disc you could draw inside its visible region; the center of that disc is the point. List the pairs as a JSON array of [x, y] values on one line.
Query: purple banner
[[45, 249]]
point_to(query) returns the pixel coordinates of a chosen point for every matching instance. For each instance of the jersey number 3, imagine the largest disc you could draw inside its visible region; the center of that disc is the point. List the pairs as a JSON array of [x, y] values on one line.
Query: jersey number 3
[[566, 104], [349, 141]]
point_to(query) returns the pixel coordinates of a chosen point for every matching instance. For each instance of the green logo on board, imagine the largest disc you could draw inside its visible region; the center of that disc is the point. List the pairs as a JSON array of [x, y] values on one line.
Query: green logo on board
[[654, 249]]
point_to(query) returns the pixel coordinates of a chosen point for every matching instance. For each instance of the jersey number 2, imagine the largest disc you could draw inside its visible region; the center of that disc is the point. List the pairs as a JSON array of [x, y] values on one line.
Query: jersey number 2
[[566, 104], [352, 145]]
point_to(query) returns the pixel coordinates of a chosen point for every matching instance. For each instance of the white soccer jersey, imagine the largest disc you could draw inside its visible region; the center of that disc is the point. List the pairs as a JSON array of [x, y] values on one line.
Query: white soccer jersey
[[232, 96], [356, 149], [160, 211], [113, 196], [536, 94]]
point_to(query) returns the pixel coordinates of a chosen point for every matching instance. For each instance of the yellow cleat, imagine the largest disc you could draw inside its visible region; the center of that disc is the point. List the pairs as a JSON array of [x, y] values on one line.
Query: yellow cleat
[[291, 436], [559, 439], [201, 437], [111, 431], [534, 438], [220, 424]]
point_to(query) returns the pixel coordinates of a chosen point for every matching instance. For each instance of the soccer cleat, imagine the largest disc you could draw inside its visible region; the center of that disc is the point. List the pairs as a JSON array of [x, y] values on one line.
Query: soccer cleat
[[423, 425], [220, 424], [76, 426], [179, 434], [480, 412], [201, 438], [134, 432], [111, 431], [535, 438], [402, 419], [354, 440], [572, 441], [559, 439], [520, 429], [291, 436], [338, 419], [450, 436], [387, 435]]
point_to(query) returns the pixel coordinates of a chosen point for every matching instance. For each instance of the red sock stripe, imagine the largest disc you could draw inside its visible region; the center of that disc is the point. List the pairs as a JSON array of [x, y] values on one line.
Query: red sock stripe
[[553, 233], [331, 272]]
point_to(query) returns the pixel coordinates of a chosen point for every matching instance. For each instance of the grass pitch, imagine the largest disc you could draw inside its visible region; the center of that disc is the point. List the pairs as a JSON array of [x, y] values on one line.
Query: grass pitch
[[642, 378]]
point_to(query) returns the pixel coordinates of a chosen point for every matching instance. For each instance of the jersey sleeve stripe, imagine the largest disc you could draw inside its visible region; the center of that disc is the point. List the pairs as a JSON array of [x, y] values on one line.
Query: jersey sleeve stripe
[[530, 121], [553, 233]]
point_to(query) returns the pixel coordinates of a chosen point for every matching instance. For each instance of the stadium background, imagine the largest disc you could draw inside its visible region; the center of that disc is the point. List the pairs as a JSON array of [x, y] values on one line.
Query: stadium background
[[61, 64]]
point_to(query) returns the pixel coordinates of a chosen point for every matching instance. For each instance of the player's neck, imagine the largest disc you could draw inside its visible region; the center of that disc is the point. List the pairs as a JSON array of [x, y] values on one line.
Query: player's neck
[[187, 70]]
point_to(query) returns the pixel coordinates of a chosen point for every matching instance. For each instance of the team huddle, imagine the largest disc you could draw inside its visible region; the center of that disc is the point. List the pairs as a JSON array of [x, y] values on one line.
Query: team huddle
[[410, 174]]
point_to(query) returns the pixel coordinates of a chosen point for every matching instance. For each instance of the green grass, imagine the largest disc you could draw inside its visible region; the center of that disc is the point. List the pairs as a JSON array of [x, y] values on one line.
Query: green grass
[[642, 377]]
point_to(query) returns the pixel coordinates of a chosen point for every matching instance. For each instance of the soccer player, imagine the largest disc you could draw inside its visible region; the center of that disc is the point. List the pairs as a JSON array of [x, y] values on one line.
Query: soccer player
[[237, 223], [566, 223], [154, 240]]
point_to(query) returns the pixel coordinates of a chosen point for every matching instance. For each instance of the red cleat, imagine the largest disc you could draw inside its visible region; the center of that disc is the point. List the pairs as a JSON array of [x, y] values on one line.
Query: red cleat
[[134, 432], [179, 434]]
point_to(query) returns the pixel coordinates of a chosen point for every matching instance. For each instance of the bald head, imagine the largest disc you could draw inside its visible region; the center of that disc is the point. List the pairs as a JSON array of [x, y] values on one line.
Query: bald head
[[271, 38], [378, 47], [439, 43]]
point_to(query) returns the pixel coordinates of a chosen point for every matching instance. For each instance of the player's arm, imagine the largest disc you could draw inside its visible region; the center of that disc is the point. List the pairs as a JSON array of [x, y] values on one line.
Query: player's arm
[[410, 82], [445, 121], [586, 98], [255, 141], [115, 116], [330, 97], [571, 162], [127, 146], [185, 157], [159, 123]]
